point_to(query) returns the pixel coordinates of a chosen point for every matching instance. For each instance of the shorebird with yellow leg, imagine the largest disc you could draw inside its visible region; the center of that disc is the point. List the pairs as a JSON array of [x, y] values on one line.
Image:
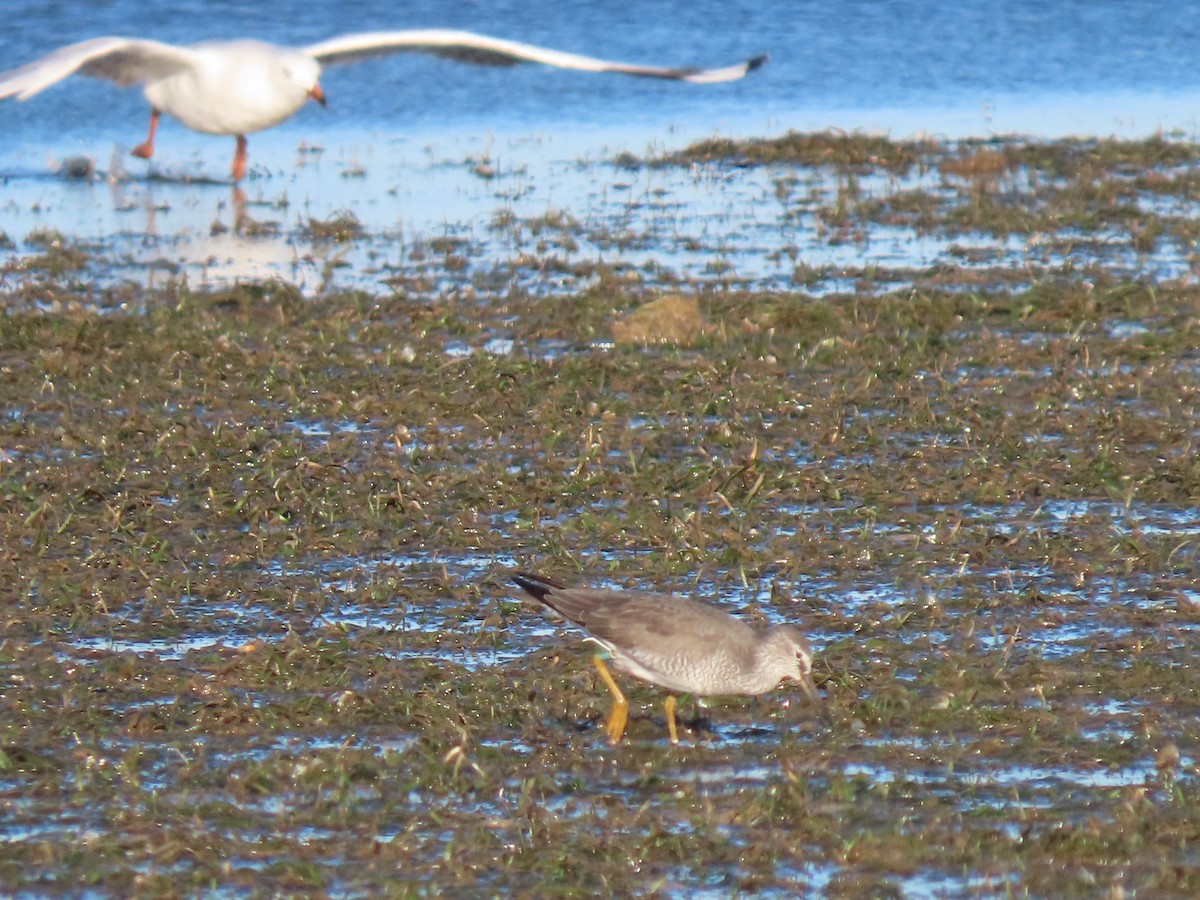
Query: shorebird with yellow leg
[[676, 643]]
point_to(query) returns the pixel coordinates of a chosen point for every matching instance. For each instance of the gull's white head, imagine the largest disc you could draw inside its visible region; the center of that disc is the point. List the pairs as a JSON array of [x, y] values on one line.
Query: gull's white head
[[302, 73]]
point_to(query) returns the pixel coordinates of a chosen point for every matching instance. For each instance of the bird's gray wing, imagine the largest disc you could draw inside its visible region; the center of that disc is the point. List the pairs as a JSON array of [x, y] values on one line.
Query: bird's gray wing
[[465, 46], [641, 617], [123, 61]]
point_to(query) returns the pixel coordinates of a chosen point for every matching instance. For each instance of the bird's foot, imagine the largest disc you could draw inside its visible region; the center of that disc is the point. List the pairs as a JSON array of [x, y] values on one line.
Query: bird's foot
[[617, 722]]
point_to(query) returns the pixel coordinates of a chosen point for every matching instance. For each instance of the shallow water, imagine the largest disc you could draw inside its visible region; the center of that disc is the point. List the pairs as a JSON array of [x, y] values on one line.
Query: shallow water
[[420, 149], [540, 221], [905, 66]]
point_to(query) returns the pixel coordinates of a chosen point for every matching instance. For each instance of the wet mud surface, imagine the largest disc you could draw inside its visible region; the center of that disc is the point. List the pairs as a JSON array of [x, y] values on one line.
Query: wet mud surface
[[936, 404]]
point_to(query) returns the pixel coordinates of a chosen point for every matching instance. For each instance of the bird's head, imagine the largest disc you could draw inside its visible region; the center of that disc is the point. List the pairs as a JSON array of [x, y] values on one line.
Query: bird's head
[[798, 653], [303, 73]]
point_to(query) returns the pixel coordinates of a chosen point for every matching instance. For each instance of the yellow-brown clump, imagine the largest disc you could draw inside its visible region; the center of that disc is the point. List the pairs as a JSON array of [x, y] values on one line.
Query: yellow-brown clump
[[670, 319]]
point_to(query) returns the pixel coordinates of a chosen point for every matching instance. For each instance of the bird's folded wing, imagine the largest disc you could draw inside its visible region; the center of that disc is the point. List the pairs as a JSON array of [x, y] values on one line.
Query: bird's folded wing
[[466, 46], [125, 61]]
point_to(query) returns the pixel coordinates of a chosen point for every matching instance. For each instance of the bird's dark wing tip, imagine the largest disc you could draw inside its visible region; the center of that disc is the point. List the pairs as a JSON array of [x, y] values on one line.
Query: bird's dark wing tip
[[757, 62], [536, 585]]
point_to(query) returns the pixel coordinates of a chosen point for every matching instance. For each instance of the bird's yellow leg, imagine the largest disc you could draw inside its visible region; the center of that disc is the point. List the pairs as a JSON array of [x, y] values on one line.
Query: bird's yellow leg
[[620, 710], [669, 708]]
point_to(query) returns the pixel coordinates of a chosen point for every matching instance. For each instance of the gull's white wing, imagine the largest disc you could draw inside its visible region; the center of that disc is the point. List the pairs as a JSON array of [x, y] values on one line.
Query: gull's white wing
[[465, 46], [125, 61]]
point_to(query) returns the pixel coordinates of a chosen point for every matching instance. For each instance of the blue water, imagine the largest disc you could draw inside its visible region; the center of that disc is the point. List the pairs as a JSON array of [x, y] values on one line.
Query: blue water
[[398, 146], [902, 66]]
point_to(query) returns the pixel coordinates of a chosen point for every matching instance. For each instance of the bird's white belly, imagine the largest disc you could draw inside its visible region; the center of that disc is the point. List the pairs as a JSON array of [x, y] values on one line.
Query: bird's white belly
[[227, 101]]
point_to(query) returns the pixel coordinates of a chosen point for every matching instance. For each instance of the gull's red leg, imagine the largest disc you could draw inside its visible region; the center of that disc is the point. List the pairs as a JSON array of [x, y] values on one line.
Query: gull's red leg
[[146, 149], [239, 159]]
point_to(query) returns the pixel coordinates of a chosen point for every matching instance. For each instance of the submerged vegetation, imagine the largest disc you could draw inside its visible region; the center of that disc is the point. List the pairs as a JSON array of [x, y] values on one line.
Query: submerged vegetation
[[257, 635]]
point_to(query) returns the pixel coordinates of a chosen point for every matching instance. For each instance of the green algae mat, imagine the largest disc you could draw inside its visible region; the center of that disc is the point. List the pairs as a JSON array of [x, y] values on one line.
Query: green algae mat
[[258, 638]]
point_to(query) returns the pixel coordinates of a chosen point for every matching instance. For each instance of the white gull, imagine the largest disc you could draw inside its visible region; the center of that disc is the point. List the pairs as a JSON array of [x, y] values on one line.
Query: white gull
[[239, 87]]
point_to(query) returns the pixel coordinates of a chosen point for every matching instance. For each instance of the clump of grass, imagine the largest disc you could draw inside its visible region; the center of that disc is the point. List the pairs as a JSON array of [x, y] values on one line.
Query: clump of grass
[[670, 319], [340, 228], [833, 149]]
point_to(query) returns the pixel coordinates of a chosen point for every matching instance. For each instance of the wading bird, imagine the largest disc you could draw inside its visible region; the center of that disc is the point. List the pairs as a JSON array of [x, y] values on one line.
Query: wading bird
[[239, 87], [682, 645]]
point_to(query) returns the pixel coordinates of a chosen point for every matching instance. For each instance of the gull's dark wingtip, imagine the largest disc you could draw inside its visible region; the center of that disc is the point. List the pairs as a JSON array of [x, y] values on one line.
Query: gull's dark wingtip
[[757, 62]]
